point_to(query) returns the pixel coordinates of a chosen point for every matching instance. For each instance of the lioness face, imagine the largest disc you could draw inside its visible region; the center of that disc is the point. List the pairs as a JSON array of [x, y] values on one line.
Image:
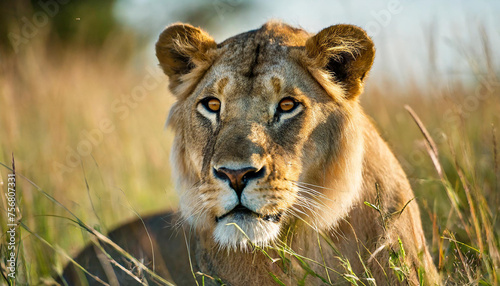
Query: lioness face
[[257, 125], [254, 121]]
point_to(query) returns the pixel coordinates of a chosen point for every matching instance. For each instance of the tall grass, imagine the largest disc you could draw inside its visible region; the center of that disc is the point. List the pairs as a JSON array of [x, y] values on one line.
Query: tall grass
[[51, 102], [450, 155], [52, 99]]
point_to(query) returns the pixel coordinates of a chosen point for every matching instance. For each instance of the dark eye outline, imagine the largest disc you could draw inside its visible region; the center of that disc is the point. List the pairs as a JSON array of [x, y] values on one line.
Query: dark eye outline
[[205, 104], [295, 105]]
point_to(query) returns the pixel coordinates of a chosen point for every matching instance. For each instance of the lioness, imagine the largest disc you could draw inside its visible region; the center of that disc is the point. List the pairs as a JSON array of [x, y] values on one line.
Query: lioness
[[281, 175]]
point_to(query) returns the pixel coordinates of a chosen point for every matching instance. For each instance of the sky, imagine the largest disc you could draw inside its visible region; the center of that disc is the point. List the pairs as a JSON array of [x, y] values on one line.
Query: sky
[[403, 30]]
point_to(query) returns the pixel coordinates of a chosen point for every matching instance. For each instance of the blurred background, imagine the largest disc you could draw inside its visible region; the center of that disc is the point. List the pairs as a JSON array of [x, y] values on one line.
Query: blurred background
[[83, 105]]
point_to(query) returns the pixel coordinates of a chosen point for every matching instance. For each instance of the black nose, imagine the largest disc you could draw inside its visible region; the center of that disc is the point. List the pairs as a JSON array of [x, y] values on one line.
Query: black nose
[[238, 178]]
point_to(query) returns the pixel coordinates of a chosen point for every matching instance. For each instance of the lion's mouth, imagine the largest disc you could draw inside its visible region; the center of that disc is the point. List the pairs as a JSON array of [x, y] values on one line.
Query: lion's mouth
[[242, 213]]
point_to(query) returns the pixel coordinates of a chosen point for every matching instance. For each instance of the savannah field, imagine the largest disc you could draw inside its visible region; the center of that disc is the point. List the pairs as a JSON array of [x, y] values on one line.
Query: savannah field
[[86, 132]]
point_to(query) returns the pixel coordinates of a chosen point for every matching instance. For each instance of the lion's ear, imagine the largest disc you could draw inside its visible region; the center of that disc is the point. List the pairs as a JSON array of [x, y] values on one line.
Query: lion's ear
[[181, 48], [344, 51]]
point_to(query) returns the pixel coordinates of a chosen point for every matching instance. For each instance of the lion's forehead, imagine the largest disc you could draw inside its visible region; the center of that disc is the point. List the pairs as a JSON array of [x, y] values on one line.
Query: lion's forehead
[[253, 60], [270, 82], [246, 57]]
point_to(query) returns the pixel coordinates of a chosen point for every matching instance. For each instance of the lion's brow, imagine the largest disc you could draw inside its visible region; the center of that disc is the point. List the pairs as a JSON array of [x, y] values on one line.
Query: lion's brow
[[251, 69]]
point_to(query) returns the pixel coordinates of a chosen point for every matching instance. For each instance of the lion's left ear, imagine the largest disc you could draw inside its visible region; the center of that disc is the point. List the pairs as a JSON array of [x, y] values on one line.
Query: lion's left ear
[[344, 51]]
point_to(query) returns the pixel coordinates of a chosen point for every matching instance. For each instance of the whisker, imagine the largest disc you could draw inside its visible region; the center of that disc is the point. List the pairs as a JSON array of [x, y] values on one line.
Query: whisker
[[311, 185], [317, 202], [312, 192]]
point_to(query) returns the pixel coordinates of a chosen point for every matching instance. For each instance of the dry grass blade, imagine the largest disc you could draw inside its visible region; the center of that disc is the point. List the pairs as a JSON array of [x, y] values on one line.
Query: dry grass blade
[[431, 146], [495, 156], [106, 266], [472, 199], [472, 207]]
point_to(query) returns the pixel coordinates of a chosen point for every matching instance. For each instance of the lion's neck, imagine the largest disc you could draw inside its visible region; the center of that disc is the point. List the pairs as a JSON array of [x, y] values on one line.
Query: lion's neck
[[256, 264], [232, 266]]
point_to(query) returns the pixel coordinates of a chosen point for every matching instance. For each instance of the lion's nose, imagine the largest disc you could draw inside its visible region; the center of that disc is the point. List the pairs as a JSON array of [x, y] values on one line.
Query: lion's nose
[[238, 178]]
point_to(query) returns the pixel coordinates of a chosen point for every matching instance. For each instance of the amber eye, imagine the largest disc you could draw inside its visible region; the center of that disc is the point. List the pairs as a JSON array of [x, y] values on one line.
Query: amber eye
[[212, 104], [287, 105]]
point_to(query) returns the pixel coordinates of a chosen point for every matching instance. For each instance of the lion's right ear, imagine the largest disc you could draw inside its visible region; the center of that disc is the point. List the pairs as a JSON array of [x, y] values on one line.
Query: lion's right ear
[[181, 48]]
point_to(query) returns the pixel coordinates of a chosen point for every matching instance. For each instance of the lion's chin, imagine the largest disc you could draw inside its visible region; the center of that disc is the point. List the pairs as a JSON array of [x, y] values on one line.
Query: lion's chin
[[238, 232]]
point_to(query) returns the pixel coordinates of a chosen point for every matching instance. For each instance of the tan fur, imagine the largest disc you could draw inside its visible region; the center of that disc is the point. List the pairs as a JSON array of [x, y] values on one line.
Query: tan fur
[[312, 169]]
